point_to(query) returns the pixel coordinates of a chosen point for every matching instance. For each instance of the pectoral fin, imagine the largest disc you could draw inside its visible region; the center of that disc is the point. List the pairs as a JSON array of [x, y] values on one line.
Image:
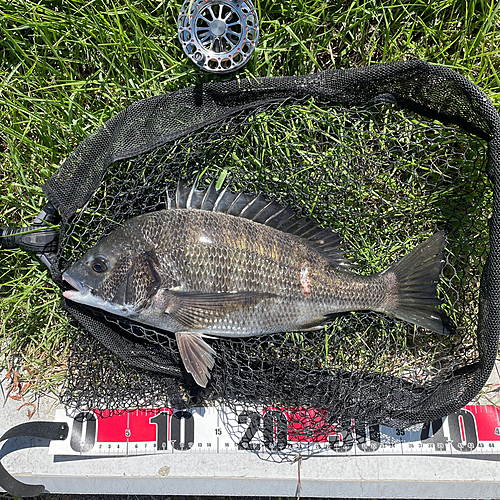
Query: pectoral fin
[[197, 355], [198, 310]]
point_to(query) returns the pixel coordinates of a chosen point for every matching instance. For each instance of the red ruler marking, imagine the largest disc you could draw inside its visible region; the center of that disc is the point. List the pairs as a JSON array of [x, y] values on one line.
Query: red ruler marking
[[307, 425], [487, 421], [140, 427], [117, 426], [462, 428], [111, 426]]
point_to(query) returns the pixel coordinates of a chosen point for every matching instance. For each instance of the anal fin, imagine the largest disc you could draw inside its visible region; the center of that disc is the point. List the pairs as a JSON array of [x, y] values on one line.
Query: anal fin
[[197, 356]]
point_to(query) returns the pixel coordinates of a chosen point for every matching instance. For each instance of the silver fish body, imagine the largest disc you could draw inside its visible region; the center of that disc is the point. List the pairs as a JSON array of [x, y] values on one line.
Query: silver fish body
[[197, 271]]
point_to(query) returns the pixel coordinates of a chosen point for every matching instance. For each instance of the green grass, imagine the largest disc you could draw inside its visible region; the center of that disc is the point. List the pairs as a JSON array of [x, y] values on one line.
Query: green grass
[[68, 66]]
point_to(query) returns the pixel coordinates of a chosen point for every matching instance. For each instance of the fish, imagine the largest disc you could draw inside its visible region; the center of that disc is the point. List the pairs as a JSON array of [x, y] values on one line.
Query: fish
[[215, 263]]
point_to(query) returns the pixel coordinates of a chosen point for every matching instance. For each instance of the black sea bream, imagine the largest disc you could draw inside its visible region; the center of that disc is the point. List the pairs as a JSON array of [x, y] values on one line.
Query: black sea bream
[[220, 264]]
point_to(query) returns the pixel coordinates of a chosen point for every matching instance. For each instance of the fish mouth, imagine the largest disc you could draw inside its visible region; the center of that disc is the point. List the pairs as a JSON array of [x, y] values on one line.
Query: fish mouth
[[83, 294], [80, 288]]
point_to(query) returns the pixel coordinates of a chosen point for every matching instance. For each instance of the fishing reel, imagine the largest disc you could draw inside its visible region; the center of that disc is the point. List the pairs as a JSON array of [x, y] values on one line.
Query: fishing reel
[[219, 36]]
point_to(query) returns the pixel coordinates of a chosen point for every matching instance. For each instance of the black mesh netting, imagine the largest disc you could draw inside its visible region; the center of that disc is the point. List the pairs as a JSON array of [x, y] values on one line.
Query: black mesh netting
[[385, 156]]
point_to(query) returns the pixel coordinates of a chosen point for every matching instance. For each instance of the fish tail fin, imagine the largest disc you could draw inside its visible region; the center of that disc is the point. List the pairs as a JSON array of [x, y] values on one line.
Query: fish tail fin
[[412, 286]]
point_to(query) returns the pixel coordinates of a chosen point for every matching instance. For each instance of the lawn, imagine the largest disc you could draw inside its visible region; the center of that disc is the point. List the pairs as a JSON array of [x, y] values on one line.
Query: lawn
[[68, 66]]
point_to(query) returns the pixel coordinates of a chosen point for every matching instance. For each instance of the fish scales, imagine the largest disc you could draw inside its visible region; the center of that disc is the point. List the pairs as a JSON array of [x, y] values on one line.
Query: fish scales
[[195, 272], [215, 252]]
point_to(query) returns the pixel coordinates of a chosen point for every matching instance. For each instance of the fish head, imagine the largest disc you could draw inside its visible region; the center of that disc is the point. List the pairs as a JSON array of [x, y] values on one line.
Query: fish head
[[101, 277]]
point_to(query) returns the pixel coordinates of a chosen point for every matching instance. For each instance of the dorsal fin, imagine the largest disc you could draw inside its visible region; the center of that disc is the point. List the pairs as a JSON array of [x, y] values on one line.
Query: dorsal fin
[[263, 211]]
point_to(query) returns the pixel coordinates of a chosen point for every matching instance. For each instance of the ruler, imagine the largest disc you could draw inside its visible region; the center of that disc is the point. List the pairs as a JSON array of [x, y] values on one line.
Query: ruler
[[473, 430]]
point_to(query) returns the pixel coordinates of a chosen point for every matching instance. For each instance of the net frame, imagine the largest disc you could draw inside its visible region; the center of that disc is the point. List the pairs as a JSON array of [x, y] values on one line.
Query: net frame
[[434, 92]]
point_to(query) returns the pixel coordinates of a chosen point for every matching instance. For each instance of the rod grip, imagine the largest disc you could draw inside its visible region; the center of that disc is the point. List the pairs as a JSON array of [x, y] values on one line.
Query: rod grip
[[32, 238]]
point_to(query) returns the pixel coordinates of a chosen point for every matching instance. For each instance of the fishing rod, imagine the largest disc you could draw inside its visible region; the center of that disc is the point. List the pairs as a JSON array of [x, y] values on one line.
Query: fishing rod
[[42, 237]]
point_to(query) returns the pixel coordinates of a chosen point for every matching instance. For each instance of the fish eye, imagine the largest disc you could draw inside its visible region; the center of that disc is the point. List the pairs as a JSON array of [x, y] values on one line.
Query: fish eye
[[99, 265]]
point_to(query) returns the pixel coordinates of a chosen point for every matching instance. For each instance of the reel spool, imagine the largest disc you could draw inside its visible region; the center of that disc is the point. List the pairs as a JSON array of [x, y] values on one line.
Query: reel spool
[[219, 36]]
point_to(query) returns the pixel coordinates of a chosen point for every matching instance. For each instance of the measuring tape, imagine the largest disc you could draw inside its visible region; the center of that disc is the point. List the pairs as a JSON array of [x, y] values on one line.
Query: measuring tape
[[475, 429]]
